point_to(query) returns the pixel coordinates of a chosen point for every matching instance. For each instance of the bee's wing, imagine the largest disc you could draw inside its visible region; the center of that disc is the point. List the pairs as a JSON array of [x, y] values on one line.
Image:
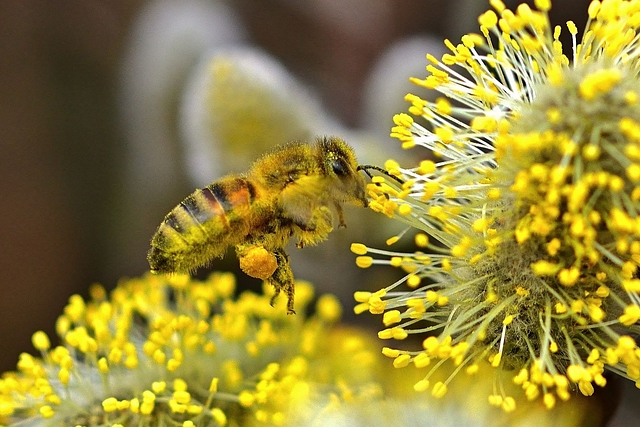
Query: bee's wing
[[300, 198]]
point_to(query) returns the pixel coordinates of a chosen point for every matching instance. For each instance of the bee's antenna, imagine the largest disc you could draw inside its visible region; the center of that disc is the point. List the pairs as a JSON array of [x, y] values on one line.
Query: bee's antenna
[[366, 168]]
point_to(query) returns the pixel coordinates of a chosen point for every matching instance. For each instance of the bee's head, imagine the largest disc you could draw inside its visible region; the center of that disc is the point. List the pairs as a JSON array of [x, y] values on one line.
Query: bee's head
[[340, 165]]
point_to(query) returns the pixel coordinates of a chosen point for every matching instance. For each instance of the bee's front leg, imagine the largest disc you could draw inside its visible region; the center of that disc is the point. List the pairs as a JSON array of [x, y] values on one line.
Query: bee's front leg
[[282, 279], [316, 228], [341, 222]]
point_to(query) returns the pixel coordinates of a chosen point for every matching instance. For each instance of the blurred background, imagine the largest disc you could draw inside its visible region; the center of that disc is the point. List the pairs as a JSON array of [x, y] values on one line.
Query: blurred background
[[111, 112]]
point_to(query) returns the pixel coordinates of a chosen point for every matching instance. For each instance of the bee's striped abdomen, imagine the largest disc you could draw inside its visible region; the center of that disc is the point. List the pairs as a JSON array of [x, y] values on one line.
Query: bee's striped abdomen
[[202, 226]]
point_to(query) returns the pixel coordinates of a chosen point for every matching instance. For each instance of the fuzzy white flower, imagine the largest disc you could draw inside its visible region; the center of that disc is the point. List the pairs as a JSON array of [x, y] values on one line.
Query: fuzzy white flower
[[527, 211]]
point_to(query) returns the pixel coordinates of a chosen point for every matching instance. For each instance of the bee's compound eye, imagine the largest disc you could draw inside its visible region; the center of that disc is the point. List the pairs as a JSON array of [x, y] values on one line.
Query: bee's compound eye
[[339, 167]]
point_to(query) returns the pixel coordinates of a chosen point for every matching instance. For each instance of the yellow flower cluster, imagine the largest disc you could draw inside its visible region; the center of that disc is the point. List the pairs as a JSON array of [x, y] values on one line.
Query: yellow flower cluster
[[179, 351], [528, 209]]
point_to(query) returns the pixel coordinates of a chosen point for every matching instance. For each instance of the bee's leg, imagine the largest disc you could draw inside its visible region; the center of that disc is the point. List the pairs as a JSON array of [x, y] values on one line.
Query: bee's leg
[[341, 222], [316, 228], [282, 279]]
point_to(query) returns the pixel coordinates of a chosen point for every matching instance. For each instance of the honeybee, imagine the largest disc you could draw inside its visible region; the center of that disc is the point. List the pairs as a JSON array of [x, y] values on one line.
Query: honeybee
[[287, 193]]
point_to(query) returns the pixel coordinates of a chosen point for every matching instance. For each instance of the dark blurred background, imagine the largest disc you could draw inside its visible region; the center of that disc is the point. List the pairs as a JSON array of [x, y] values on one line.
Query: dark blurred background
[[63, 152]]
